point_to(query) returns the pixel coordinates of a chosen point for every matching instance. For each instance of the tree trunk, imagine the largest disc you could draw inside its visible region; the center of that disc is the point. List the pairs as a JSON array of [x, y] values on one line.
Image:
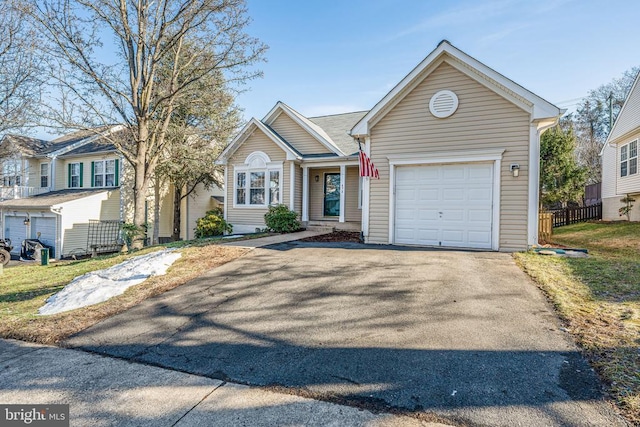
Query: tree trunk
[[177, 199], [156, 212], [140, 187]]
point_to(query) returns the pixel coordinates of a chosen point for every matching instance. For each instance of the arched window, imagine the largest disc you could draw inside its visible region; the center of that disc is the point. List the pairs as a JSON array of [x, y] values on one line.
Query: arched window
[[257, 182]]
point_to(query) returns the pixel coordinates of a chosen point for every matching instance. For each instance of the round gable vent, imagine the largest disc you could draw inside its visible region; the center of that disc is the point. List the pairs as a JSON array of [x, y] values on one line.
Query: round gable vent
[[443, 104]]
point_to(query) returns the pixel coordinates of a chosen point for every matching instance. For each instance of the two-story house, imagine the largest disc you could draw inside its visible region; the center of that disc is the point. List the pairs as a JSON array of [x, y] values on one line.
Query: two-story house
[[53, 190]]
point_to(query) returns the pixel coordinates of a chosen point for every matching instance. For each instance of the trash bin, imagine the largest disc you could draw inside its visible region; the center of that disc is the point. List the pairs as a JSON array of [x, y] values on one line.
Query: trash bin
[[44, 256]]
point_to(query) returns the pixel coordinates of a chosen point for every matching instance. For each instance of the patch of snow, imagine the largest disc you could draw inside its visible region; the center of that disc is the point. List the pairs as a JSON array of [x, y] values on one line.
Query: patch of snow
[[98, 286]]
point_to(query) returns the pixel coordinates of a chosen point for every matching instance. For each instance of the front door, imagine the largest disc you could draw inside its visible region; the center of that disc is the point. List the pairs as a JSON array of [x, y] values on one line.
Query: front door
[[331, 194]]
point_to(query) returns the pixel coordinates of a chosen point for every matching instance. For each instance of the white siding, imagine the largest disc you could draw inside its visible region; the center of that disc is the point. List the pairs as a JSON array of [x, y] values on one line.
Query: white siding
[[609, 171], [484, 120], [629, 117], [77, 213]]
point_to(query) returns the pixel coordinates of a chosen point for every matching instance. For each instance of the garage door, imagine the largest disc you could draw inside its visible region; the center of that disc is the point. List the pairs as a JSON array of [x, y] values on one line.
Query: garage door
[[47, 229], [15, 230], [444, 205]]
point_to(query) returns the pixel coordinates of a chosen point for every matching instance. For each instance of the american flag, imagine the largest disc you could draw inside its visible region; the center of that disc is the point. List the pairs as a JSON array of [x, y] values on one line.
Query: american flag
[[367, 168]]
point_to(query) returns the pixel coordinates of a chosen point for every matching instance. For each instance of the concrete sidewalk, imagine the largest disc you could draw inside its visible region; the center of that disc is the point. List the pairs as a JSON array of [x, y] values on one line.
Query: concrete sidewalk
[[275, 239], [103, 391]]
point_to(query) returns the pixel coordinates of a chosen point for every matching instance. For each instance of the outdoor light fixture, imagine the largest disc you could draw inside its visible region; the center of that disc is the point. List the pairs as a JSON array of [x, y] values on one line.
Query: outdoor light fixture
[[515, 169], [317, 178], [27, 221]]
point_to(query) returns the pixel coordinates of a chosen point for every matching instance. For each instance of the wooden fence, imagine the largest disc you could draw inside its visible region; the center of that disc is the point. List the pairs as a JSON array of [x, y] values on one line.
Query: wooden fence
[[574, 215], [545, 226]]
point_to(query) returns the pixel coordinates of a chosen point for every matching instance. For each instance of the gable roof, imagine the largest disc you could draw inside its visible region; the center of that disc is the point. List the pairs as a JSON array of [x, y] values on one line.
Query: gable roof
[[49, 199], [93, 139], [445, 51], [312, 128], [247, 131], [629, 117], [337, 126]]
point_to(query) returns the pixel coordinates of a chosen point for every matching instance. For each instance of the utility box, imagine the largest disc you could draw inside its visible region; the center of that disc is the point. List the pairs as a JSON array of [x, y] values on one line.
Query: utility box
[[44, 256]]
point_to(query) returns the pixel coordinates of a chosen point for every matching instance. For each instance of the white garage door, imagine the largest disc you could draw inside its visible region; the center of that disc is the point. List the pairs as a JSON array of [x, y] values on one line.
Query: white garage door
[[47, 229], [15, 230], [444, 205]]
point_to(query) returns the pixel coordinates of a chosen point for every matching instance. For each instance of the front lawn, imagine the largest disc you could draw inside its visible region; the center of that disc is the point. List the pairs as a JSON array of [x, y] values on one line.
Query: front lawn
[[599, 299], [24, 288]]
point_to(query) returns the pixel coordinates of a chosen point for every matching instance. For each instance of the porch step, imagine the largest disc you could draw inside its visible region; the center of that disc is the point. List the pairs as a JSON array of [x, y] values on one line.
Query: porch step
[[320, 227]]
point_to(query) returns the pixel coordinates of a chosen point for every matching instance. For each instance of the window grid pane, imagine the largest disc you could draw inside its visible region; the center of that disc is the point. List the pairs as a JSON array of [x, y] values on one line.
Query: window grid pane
[[241, 196], [633, 149], [633, 166], [623, 153], [97, 181], [110, 166], [274, 187], [623, 169]]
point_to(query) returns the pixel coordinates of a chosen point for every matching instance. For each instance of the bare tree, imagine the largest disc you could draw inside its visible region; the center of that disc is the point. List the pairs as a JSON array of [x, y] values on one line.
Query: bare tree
[[93, 88], [19, 68]]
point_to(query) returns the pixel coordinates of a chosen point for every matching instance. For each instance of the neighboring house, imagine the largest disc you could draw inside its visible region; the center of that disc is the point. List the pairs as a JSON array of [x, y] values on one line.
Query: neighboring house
[[456, 145], [620, 175], [51, 190]]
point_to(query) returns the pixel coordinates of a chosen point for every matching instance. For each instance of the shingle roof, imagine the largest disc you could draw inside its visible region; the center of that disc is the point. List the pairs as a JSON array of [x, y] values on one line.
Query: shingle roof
[[51, 198], [39, 147], [92, 147], [337, 126]]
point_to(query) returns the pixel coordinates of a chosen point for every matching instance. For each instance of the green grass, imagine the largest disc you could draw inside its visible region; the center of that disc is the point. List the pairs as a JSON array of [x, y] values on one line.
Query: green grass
[[599, 299], [25, 288]]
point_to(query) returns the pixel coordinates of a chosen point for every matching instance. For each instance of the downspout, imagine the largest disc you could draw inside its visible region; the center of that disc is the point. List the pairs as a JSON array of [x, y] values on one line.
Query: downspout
[[52, 172], [58, 245]]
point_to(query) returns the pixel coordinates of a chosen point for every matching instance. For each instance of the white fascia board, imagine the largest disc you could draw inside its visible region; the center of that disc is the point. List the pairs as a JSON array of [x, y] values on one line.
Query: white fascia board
[[615, 124], [541, 107], [85, 141], [447, 157], [318, 134], [245, 133]]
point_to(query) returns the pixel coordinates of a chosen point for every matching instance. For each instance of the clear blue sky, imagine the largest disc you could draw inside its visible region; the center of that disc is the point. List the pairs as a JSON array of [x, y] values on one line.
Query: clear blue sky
[[333, 56]]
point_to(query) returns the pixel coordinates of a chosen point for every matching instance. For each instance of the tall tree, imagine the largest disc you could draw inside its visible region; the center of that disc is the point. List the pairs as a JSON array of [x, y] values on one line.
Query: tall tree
[[594, 118], [202, 126], [561, 179], [95, 88], [19, 68]]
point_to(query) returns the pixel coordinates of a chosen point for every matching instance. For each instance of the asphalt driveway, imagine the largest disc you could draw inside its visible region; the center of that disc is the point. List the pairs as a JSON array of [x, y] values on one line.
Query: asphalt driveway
[[463, 335]]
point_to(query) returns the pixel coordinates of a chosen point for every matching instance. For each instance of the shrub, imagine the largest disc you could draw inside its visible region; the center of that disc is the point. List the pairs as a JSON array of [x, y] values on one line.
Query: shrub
[[281, 219], [212, 224]]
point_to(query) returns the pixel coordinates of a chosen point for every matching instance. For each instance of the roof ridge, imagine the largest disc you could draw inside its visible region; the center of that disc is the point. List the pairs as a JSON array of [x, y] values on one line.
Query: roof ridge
[[338, 114]]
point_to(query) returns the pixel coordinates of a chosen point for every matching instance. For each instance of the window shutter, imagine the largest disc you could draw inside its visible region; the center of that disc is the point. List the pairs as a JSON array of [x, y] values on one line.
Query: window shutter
[[69, 176], [93, 183], [81, 172], [116, 179]]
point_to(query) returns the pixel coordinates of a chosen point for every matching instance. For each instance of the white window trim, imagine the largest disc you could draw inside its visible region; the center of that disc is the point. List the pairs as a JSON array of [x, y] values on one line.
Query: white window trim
[[104, 173], [48, 175], [629, 158], [264, 164], [72, 175]]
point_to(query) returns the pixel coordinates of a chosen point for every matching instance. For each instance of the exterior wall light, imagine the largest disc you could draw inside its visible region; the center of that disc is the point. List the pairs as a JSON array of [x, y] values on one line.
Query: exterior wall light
[[515, 169], [27, 221], [317, 178]]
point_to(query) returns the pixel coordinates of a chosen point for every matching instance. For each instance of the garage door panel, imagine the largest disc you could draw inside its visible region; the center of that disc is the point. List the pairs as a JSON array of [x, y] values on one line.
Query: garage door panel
[[47, 229], [451, 204], [15, 230], [428, 195], [428, 214]]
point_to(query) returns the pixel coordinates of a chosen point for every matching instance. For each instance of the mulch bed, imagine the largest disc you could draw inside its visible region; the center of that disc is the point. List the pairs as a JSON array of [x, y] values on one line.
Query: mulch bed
[[336, 236]]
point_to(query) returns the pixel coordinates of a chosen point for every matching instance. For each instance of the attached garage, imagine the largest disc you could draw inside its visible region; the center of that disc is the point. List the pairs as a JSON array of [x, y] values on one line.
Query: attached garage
[[15, 230], [448, 205], [44, 229]]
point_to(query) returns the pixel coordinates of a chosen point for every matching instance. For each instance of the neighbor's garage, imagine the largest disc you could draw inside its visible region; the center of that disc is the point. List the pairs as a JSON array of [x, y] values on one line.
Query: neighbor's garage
[[446, 205], [15, 230], [44, 229]]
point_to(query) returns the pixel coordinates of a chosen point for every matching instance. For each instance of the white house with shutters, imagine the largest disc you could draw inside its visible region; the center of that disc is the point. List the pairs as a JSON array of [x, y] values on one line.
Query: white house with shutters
[[52, 190]]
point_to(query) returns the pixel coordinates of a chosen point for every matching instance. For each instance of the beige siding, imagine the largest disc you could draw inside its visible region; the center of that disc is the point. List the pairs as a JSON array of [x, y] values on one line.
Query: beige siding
[[31, 173], [62, 181], [297, 136], [250, 216], [60, 175], [629, 183], [193, 207], [166, 214], [351, 188], [484, 120], [77, 213]]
